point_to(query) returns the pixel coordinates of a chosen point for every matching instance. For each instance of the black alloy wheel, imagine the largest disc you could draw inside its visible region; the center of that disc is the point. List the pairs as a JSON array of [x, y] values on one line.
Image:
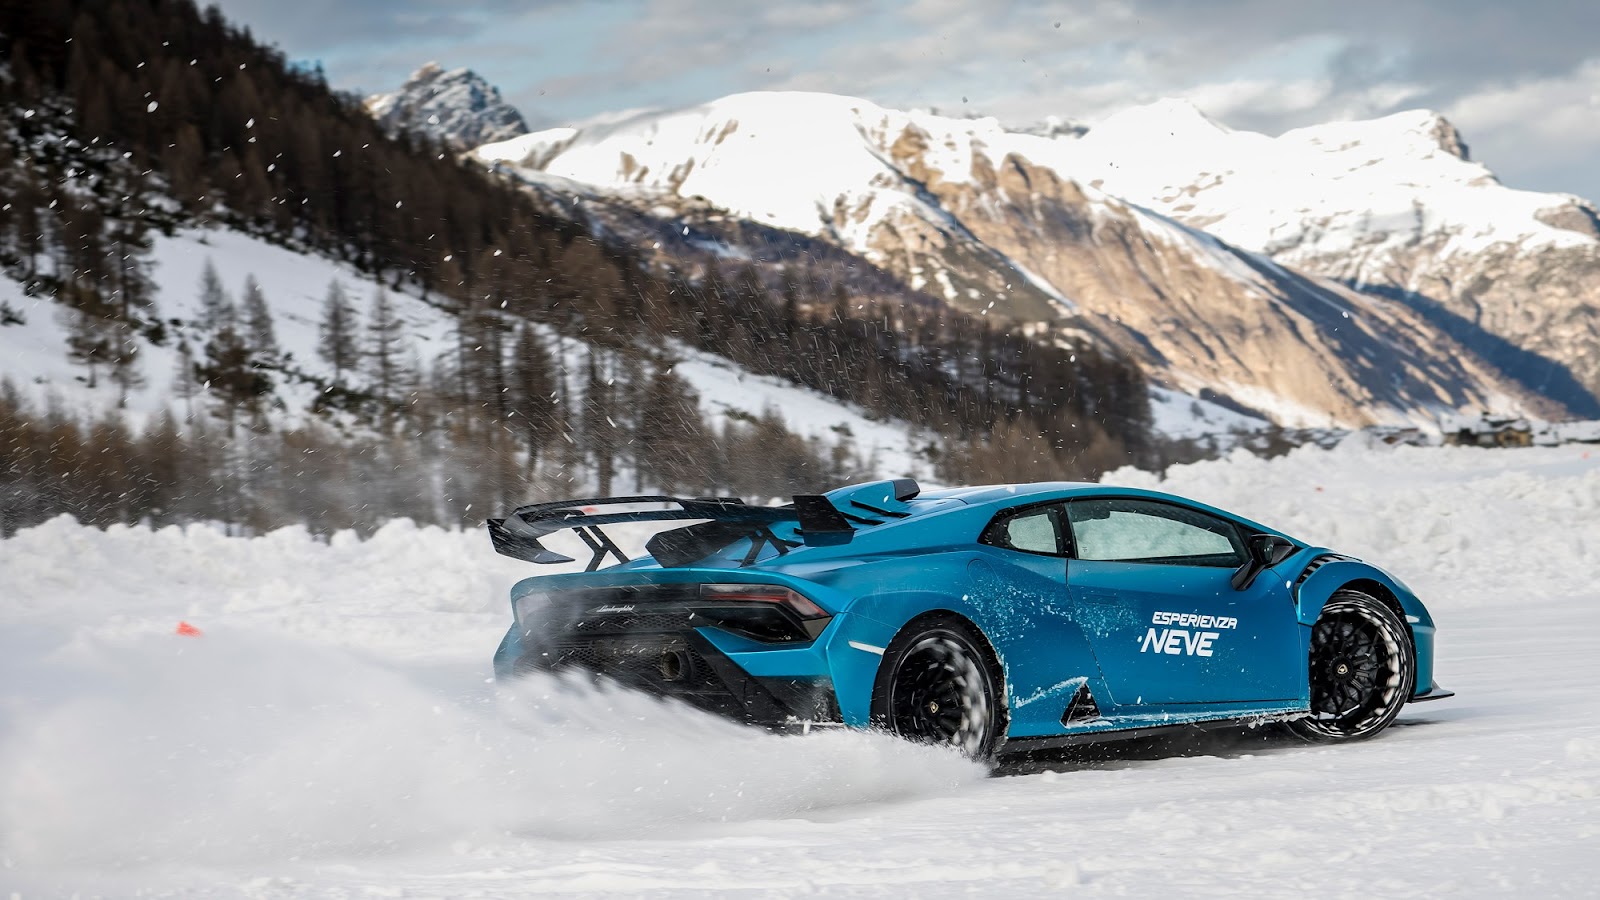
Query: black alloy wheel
[[937, 686], [1362, 668]]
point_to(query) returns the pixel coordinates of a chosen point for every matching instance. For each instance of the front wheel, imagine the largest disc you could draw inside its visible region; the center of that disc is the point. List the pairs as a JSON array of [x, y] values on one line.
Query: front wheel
[[1362, 669], [936, 685]]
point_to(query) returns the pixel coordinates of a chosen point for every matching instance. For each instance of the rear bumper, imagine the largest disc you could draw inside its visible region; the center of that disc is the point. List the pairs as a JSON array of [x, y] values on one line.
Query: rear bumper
[[683, 666]]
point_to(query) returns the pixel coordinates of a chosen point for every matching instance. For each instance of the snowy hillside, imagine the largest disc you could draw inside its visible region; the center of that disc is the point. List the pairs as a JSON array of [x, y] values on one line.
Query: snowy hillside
[[332, 731], [34, 356], [1014, 222]]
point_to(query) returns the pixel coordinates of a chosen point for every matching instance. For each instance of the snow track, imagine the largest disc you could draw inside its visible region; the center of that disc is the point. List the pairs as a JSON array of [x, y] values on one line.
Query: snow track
[[331, 733]]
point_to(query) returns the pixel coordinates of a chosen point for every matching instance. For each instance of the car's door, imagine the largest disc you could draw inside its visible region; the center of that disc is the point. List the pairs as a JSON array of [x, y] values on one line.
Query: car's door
[[1150, 583], [1023, 585]]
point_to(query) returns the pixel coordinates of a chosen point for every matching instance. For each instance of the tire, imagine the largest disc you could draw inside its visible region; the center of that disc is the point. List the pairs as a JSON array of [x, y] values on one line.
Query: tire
[[1361, 670], [939, 684]]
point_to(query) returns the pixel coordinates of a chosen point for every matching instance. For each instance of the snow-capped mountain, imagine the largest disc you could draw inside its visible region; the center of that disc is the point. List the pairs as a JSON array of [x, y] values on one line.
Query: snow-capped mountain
[[457, 106], [993, 219], [1392, 206]]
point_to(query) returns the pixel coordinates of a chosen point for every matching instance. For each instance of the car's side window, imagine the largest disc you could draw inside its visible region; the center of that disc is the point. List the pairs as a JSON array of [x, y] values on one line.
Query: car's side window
[[1144, 531], [1035, 529]]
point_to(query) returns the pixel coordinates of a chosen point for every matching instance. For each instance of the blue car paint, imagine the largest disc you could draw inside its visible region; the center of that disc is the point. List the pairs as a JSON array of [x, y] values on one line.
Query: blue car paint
[[1043, 616], [1258, 659]]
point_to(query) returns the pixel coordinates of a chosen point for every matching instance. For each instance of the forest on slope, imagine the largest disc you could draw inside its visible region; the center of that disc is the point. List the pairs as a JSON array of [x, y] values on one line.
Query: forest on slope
[[124, 119]]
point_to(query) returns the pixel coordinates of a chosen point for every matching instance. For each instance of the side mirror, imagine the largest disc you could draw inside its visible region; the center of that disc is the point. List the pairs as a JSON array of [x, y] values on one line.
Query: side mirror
[[1266, 551]]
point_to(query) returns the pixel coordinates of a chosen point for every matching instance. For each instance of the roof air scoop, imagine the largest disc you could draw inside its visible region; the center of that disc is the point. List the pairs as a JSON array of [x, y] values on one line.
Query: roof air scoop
[[875, 500]]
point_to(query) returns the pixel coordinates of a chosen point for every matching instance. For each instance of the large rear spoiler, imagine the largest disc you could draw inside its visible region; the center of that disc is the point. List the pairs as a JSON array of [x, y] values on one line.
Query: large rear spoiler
[[720, 522]]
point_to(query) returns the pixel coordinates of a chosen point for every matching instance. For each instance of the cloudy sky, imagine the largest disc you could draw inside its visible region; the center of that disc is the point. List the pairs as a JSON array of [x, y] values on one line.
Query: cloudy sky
[[1521, 80]]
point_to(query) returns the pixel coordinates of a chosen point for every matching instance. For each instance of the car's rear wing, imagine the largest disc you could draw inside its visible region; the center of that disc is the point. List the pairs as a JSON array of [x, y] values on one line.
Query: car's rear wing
[[722, 521], [719, 523]]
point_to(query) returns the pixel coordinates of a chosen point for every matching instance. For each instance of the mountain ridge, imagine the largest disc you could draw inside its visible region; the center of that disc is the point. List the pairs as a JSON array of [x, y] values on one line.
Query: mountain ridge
[[458, 107], [991, 219]]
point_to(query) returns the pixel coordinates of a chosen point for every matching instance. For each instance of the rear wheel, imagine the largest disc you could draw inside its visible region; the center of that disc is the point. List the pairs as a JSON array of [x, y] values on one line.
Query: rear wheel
[[1362, 668], [937, 686]]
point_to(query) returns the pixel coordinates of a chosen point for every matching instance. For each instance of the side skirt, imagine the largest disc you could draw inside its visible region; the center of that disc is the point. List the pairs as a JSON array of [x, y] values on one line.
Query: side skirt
[[1108, 735]]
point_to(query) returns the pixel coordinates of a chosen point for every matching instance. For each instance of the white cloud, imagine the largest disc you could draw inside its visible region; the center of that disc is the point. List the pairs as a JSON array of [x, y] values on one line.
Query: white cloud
[[1542, 133]]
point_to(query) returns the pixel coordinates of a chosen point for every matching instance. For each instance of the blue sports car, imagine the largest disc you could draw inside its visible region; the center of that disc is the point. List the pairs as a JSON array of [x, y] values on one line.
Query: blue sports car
[[992, 619]]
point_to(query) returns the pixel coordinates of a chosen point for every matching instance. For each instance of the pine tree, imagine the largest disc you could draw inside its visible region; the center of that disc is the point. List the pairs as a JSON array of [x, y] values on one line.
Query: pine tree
[[533, 395], [31, 226], [87, 344], [128, 232], [337, 336], [88, 320], [601, 435], [232, 377], [184, 382], [385, 351], [259, 332], [216, 310], [671, 440], [122, 344]]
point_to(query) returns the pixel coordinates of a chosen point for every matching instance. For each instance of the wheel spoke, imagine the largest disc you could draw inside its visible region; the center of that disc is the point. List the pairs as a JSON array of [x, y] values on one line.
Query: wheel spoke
[[940, 696], [1355, 663]]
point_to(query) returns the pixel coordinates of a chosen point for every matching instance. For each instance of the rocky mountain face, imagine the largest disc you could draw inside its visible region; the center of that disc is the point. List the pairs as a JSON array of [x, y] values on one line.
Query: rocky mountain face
[[994, 221], [457, 107], [1392, 207]]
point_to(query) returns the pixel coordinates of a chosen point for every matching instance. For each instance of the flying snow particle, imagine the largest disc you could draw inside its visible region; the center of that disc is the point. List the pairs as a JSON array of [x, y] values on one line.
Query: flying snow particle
[[337, 153], [151, 107], [249, 123], [397, 203], [497, 253]]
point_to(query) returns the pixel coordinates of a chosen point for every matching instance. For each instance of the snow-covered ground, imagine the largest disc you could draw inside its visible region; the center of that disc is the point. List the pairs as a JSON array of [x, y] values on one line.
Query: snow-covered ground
[[333, 731]]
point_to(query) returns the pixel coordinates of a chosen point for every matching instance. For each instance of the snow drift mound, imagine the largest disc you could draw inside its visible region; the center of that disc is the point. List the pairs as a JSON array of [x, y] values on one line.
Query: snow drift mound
[[1437, 517]]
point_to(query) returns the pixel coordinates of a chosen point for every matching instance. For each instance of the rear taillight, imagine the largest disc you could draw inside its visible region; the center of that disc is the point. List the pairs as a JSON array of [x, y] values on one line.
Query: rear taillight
[[763, 593]]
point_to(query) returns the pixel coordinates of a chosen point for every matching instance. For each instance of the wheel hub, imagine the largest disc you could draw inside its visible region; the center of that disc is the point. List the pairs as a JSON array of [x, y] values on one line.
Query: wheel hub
[[1351, 653], [940, 696]]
